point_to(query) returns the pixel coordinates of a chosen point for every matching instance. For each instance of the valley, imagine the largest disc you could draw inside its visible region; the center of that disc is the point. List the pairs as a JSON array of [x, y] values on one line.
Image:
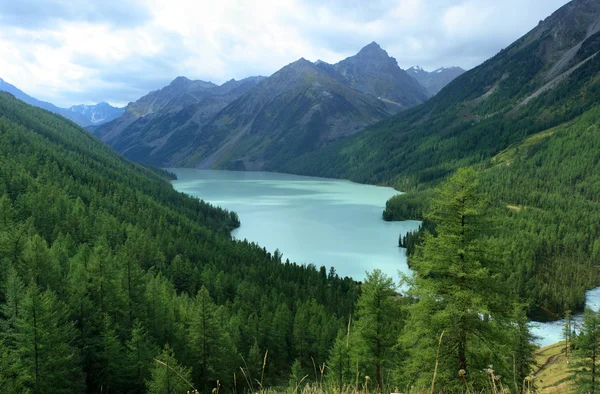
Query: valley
[[343, 225]]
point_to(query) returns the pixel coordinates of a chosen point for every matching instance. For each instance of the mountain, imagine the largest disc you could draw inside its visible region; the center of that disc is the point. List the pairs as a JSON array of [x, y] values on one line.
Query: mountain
[[83, 115], [543, 79], [150, 129], [436, 80], [298, 109], [106, 268], [374, 72], [526, 119], [96, 114], [254, 124]]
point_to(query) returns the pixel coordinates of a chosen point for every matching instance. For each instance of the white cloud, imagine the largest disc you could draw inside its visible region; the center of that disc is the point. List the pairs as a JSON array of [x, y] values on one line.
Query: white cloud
[[120, 51]]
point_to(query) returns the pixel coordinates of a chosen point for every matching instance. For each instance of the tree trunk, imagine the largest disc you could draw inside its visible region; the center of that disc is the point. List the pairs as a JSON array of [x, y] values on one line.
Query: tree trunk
[[36, 352], [462, 351]]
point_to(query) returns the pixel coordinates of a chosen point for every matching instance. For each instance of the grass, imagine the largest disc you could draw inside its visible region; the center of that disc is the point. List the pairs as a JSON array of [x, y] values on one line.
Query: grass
[[553, 374], [510, 153]]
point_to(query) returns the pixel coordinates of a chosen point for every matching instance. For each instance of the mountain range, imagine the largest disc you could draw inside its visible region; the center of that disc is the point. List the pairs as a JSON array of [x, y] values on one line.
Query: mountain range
[[527, 121], [83, 115], [261, 123], [435, 80], [542, 80]]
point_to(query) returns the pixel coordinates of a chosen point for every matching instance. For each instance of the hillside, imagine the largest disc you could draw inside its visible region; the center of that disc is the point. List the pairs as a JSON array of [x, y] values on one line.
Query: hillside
[[104, 267], [543, 79], [298, 109], [156, 128], [83, 115]]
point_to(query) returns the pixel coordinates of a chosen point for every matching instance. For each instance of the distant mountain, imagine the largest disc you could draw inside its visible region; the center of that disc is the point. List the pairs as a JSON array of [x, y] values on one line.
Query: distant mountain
[[298, 109], [83, 115], [374, 72], [436, 80], [260, 124], [155, 128], [96, 114]]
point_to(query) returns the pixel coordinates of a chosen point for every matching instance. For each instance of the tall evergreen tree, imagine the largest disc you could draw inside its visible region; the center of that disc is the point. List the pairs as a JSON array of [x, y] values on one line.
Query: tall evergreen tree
[[40, 341], [587, 354], [457, 292], [378, 313], [168, 376]]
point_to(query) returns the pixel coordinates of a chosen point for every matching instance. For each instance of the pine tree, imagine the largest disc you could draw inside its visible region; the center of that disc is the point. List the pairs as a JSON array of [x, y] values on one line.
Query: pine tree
[[167, 376], [587, 354], [140, 354], [209, 345], [41, 341], [378, 313], [566, 333], [457, 292]]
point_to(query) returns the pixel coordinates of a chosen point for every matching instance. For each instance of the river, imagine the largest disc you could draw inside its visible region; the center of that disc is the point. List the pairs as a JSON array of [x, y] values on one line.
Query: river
[[325, 222]]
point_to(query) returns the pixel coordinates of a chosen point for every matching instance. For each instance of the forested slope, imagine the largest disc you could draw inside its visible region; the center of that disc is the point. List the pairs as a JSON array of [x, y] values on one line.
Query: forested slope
[[104, 267], [546, 79], [546, 191]]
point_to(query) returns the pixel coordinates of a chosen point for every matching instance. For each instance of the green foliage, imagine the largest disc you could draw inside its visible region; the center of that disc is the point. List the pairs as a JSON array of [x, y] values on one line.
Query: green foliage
[[116, 265], [458, 294], [587, 344], [378, 313], [168, 376]]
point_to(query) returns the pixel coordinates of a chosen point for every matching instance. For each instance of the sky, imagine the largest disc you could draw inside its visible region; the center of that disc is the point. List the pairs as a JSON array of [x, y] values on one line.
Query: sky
[[72, 52]]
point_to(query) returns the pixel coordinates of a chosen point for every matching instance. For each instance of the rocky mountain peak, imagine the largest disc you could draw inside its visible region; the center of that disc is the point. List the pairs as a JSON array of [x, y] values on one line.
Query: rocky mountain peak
[[180, 81], [373, 52]]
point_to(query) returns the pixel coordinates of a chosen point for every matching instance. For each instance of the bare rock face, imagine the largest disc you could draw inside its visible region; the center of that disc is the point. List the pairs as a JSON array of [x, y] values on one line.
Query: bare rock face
[[374, 72]]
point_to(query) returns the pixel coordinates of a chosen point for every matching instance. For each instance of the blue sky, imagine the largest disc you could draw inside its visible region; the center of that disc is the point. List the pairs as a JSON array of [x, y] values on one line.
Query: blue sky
[[86, 51]]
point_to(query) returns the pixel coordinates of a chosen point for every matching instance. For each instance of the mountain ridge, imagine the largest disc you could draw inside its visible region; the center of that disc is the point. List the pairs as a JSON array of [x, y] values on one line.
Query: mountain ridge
[[539, 81], [339, 99], [83, 115]]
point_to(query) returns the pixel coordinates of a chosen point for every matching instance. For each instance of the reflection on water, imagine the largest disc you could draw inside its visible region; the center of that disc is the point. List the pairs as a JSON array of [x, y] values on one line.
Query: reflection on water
[[325, 222]]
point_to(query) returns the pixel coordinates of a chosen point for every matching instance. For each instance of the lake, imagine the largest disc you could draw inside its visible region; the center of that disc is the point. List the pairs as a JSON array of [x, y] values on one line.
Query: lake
[[325, 222]]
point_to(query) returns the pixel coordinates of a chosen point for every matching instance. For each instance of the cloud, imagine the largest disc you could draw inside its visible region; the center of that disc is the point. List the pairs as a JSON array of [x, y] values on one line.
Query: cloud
[[48, 13], [118, 50]]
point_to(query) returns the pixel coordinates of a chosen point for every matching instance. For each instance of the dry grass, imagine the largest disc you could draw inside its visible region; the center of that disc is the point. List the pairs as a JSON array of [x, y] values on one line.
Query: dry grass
[[553, 371]]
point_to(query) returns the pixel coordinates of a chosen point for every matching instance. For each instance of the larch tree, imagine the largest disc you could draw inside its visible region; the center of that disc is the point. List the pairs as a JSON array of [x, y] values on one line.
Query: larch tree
[[167, 376], [457, 293], [587, 354], [378, 313]]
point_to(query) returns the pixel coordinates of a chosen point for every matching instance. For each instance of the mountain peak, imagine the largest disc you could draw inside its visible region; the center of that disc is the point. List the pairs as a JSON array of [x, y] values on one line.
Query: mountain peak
[[180, 80], [301, 63], [373, 50], [372, 45]]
